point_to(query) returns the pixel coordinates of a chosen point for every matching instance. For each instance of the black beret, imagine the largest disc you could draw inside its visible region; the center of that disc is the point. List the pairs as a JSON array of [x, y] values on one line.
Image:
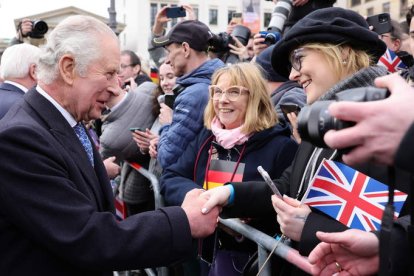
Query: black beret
[[329, 25]]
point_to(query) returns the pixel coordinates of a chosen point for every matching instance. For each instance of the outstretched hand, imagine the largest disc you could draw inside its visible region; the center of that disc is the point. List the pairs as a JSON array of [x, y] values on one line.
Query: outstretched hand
[[352, 252]]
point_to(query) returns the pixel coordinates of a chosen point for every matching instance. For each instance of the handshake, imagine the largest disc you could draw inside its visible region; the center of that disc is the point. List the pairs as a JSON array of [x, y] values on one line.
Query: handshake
[[202, 209]]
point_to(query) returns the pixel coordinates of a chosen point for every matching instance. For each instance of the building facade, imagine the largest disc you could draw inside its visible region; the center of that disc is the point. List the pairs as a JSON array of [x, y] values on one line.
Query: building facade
[[139, 16]]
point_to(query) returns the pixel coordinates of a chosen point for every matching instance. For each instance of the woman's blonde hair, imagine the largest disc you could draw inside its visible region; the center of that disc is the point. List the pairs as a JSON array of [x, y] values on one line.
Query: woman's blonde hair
[[354, 61], [260, 113]]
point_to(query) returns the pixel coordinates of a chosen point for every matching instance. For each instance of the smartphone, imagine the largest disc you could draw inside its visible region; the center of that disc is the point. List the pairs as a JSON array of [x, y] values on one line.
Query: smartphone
[[132, 129], [169, 100], [174, 12], [269, 181], [289, 108], [127, 83], [381, 23], [237, 18]]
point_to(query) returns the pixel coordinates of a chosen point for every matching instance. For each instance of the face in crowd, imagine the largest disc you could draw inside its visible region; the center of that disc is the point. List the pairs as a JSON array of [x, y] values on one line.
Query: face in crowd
[[89, 93], [316, 71], [167, 78], [177, 57], [127, 69], [229, 101]]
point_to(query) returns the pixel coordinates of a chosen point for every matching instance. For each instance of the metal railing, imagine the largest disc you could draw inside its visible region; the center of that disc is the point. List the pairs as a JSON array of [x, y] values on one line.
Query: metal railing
[[265, 243]]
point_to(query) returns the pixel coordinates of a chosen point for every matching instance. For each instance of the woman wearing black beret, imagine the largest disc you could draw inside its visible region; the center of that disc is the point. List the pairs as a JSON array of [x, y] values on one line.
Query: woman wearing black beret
[[326, 52]]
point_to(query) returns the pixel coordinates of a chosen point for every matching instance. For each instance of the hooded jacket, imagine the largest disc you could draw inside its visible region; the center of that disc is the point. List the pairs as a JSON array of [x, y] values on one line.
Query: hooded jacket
[[188, 113]]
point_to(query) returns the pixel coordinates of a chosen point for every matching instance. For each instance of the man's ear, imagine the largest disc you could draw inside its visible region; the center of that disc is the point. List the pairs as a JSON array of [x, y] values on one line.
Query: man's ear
[[396, 44], [67, 69], [32, 71], [137, 69], [186, 49]]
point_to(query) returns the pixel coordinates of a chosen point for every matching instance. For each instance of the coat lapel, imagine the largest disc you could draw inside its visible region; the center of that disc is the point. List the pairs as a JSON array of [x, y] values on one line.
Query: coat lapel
[[65, 135]]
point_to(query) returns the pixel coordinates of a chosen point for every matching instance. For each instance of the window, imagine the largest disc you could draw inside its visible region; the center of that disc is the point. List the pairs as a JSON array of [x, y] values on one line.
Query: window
[[355, 2], [386, 7], [370, 11], [195, 9], [403, 7], [213, 17], [153, 12], [266, 19]]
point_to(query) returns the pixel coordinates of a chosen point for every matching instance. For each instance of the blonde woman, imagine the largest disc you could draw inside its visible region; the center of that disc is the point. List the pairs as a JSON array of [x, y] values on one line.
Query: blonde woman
[[241, 133]]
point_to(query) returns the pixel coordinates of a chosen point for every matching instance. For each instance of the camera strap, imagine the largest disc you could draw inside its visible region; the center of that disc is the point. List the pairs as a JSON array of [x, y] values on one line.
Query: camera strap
[[386, 226]]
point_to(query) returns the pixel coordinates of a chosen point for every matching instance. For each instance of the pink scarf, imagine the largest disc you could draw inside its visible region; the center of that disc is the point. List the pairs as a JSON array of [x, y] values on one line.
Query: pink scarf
[[227, 138]]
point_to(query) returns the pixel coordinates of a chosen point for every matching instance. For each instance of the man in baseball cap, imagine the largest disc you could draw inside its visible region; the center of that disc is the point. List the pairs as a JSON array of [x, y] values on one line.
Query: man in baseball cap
[[186, 44]]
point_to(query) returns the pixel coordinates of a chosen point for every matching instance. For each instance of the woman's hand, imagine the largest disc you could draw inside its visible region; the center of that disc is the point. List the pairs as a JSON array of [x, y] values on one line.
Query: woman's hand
[[293, 119], [153, 147], [291, 215], [143, 138], [165, 116], [218, 196]]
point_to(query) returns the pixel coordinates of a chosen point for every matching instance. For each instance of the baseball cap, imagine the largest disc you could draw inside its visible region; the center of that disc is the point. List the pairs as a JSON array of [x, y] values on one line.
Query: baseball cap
[[194, 32]]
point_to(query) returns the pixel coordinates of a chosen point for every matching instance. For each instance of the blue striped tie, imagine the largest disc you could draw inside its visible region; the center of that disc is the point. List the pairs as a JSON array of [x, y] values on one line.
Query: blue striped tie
[[83, 138]]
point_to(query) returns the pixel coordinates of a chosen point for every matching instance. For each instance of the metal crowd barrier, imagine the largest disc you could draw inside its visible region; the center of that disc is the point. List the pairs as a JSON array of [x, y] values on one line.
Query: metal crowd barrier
[[265, 243], [158, 202]]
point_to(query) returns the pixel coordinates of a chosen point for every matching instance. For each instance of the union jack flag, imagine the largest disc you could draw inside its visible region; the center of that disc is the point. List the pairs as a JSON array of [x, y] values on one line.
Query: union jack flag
[[391, 61], [349, 196]]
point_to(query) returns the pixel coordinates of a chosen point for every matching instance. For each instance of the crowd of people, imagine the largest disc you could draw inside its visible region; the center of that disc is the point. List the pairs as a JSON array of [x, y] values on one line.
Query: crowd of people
[[76, 113]]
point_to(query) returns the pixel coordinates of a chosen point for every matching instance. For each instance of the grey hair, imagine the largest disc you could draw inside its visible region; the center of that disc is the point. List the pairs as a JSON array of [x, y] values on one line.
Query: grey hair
[[76, 35], [16, 60]]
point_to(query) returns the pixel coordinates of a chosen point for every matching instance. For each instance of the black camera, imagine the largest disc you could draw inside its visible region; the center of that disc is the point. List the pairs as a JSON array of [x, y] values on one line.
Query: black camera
[[270, 37], [314, 120], [220, 42], [39, 29]]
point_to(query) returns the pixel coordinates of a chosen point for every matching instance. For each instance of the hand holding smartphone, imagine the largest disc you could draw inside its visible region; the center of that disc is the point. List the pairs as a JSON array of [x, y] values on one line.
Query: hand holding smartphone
[[381, 23], [133, 129], [269, 181]]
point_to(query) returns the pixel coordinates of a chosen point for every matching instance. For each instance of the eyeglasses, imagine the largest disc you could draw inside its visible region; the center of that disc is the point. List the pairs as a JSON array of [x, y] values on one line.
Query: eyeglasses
[[296, 58], [232, 93], [123, 66], [384, 35]]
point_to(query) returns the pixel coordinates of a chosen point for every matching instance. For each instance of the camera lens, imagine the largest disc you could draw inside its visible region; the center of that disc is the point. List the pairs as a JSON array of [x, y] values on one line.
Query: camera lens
[[242, 33], [39, 29]]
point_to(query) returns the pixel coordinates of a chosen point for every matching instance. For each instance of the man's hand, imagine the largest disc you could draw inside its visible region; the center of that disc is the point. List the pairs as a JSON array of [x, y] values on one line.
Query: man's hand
[[202, 225], [112, 169], [239, 49], [354, 252], [298, 3], [25, 28], [380, 125], [291, 215], [258, 45], [160, 20]]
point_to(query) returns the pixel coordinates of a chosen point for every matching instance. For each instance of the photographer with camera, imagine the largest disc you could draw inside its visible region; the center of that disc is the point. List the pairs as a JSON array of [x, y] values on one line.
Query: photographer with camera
[[329, 50], [231, 48], [376, 137], [27, 28]]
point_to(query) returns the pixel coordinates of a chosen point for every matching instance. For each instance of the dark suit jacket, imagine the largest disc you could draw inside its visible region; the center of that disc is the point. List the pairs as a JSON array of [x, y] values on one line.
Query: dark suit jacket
[[56, 210], [9, 95]]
